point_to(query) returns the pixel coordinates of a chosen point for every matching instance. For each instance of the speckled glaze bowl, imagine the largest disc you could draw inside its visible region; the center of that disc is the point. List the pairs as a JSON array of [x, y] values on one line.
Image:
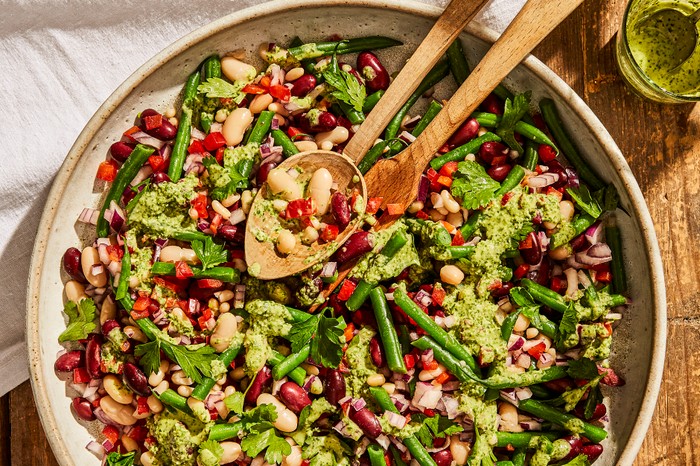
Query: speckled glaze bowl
[[640, 340]]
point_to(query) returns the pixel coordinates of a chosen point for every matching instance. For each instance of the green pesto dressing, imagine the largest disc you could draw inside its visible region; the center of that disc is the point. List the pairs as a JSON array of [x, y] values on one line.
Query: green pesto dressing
[[266, 290], [266, 320], [141, 262], [178, 436], [375, 267], [360, 365], [326, 450], [112, 358], [405, 432]]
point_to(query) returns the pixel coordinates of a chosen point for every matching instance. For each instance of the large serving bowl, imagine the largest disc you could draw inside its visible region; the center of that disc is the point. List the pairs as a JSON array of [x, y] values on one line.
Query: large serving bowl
[[639, 341]]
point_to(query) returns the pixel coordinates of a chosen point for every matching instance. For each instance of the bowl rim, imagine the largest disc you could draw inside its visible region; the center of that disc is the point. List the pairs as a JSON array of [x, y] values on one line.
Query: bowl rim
[[558, 87]]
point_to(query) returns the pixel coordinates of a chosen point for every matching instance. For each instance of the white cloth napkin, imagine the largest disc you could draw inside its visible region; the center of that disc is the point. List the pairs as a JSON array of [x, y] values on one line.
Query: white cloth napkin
[[60, 61]]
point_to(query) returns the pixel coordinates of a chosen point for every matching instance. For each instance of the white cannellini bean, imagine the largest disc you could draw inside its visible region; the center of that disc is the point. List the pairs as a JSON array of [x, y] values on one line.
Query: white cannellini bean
[[560, 253], [294, 458], [451, 274], [135, 333], [220, 209], [232, 451], [108, 310], [246, 200], [294, 74], [286, 242], [117, 390], [279, 119], [305, 146], [226, 328], [88, 258], [235, 125], [509, 418], [154, 404], [436, 215], [521, 324], [147, 458], [460, 450], [415, 207], [376, 380], [279, 205], [129, 443], [155, 378], [236, 70], [449, 202], [337, 135], [221, 114], [278, 108], [455, 218], [171, 254], [232, 199], [567, 210], [286, 420], [75, 292], [279, 182], [117, 412], [309, 235], [179, 378], [260, 103], [320, 189], [184, 390]]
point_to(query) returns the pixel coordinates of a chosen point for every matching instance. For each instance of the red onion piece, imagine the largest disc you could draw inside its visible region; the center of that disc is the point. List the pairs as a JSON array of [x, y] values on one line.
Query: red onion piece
[[89, 216], [144, 138], [96, 449], [594, 233], [543, 180], [359, 404], [599, 253], [423, 189], [329, 269]]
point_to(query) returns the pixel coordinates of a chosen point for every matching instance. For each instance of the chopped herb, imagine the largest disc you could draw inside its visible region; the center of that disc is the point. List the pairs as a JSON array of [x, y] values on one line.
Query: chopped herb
[[80, 320], [513, 112], [195, 360], [347, 87], [473, 185], [217, 87], [325, 335], [586, 202], [210, 253], [117, 459]]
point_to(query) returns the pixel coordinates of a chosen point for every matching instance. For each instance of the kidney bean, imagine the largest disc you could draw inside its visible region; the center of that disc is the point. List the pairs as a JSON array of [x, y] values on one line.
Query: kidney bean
[[359, 243], [335, 386], [349, 69], [543, 274], [165, 132], [442, 458], [227, 232], [303, 85], [108, 326], [262, 380], [556, 167], [502, 291], [576, 444], [121, 150], [490, 150], [493, 104], [579, 243], [320, 122], [72, 265], [367, 421], [294, 396], [375, 351], [560, 385], [530, 249], [69, 361], [340, 209], [159, 177], [468, 131], [263, 171], [93, 358], [500, 172], [83, 409], [592, 451], [599, 411], [375, 74], [136, 380]]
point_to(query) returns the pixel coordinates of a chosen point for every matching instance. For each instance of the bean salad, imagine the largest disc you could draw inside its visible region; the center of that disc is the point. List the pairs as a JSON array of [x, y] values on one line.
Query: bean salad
[[475, 330]]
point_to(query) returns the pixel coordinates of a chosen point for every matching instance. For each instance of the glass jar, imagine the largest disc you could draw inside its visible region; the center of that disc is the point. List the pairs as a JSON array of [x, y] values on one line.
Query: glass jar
[[640, 55]]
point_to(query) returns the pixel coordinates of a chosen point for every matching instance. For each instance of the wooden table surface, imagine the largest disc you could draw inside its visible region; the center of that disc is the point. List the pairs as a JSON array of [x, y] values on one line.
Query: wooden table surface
[[662, 145]]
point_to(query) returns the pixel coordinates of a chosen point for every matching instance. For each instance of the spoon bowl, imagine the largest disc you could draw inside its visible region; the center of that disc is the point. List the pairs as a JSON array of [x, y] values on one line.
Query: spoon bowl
[[260, 251], [677, 30]]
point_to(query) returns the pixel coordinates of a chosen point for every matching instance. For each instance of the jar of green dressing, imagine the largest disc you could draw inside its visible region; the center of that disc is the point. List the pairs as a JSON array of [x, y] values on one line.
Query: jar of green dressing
[[645, 54]]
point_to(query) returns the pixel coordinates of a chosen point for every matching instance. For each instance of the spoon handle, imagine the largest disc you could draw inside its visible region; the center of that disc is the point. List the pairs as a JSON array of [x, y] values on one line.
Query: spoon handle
[[534, 22], [695, 17], [452, 21]]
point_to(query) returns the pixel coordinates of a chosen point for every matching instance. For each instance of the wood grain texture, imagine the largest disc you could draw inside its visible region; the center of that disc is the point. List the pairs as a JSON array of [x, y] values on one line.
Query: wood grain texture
[[662, 145]]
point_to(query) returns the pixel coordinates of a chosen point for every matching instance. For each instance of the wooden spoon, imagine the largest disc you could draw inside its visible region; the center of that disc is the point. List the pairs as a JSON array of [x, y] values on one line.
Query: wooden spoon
[[261, 256]]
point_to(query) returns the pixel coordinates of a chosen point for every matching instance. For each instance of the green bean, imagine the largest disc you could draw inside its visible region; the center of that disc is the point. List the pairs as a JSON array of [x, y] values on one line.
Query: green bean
[[551, 117], [225, 274], [503, 463], [572, 423], [544, 295], [387, 331], [458, 63], [190, 236], [513, 179], [297, 315], [433, 109], [359, 295], [522, 439], [526, 379], [371, 157], [298, 374], [435, 75], [354, 116], [519, 457], [376, 455], [172, 398], [578, 226], [502, 92], [320, 49], [372, 100], [469, 227], [404, 338], [460, 252], [539, 392], [396, 455], [449, 342], [444, 357], [508, 324], [184, 129], [460, 153], [291, 362], [201, 391], [123, 287], [262, 127], [281, 139], [296, 42], [383, 399], [126, 173], [612, 237], [395, 243], [531, 156], [219, 432], [211, 68], [545, 326], [527, 130]]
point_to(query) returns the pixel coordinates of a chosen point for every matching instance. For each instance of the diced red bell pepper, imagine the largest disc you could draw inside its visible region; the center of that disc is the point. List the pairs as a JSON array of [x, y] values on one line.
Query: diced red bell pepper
[[142, 303], [603, 276], [448, 169], [373, 204], [80, 375], [171, 283], [283, 93], [422, 214], [111, 433], [157, 163], [521, 271], [546, 153], [182, 270], [152, 121], [196, 147], [458, 239], [136, 315], [254, 89], [210, 283], [346, 290], [394, 209], [216, 223], [300, 208], [444, 181], [557, 284], [141, 406], [442, 378], [130, 131], [200, 205], [107, 170], [329, 233], [265, 81], [213, 141], [220, 155], [526, 243], [293, 131], [431, 365], [115, 253], [554, 192], [506, 197], [139, 433], [537, 350], [349, 331], [438, 295], [409, 360], [432, 175]]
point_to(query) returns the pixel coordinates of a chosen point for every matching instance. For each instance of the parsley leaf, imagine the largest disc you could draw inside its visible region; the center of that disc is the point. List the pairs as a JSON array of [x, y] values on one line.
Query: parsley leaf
[[607, 198], [347, 87], [262, 434], [117, 459], [580, 460], [582, 369], [226, 180], [434, 427], [217, 87], [214, 449], [80, 320], [595, 396], [325, 335], [569, 321], [473, 185], [209, 252], [302, 333], [234, 402], [150, 356], [195, 360], [514, 111], [586, 202]]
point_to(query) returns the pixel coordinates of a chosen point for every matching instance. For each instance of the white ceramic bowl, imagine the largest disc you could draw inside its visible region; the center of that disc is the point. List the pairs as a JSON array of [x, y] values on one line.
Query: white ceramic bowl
[[640, 340]]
